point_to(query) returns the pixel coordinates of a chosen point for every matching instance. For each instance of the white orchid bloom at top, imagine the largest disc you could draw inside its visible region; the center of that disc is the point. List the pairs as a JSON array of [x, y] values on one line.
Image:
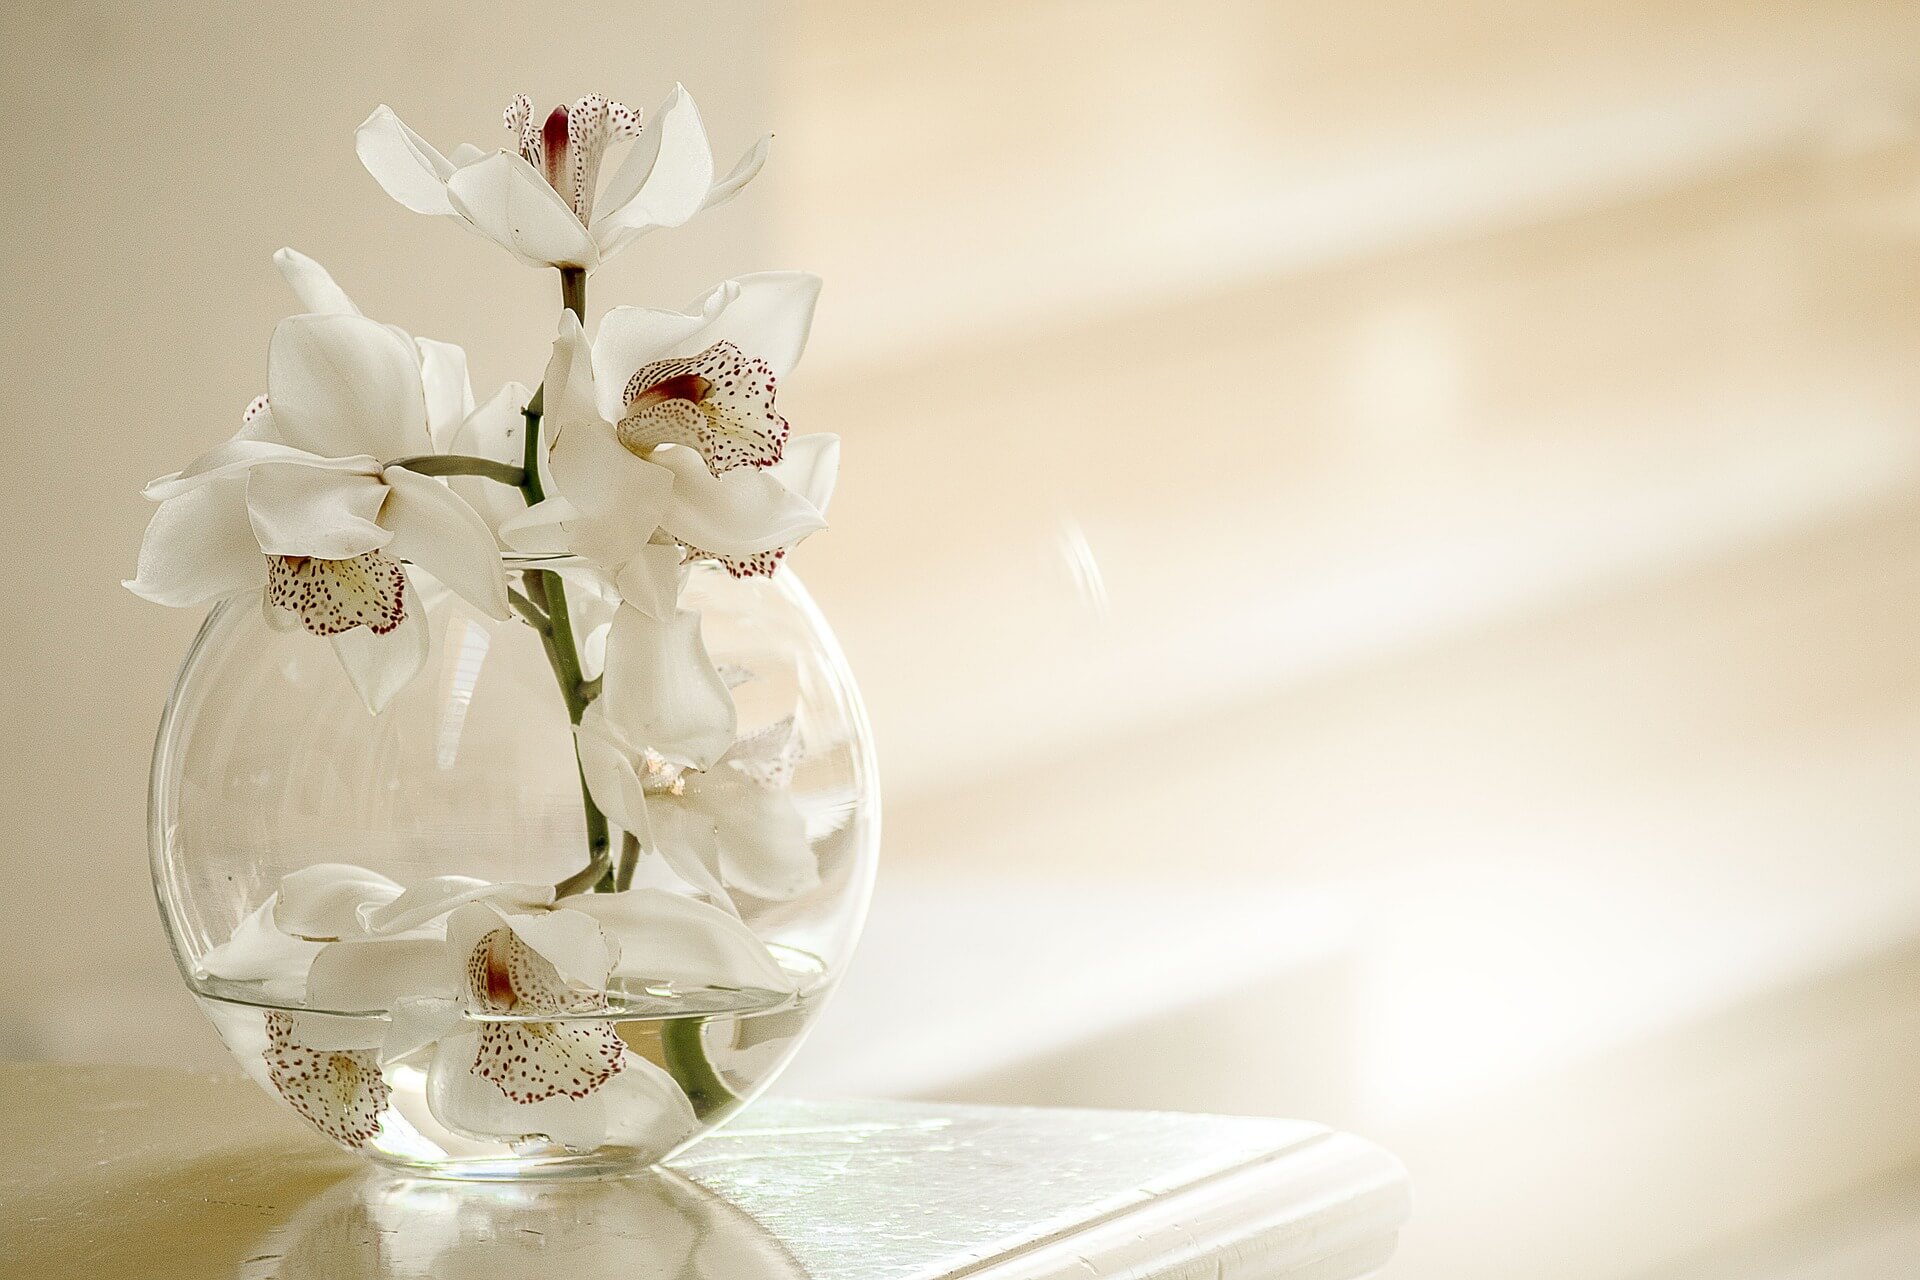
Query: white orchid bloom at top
[[306, 506], [543, 201], [494, 987], [665, 435]]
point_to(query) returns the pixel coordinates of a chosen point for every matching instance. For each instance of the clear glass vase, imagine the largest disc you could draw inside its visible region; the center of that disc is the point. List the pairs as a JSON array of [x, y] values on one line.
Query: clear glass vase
[[267, 762]]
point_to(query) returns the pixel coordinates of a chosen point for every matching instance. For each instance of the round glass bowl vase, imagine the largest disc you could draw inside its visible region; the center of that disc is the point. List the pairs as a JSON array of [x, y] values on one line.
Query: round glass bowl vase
[[268, 765]]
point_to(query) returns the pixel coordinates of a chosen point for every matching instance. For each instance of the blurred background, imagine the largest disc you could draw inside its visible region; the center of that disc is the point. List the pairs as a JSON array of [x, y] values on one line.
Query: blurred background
[[1382, 542]]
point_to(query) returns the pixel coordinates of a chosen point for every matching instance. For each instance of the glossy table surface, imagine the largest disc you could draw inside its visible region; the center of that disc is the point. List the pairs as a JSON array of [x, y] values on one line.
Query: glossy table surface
[[131, 1172]]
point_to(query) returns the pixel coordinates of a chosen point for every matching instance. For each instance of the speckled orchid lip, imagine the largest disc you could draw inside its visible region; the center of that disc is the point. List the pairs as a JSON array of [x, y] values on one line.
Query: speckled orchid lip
[[568, 146], [720, 402], [334, 596], [532, 1061], [340, 1091]]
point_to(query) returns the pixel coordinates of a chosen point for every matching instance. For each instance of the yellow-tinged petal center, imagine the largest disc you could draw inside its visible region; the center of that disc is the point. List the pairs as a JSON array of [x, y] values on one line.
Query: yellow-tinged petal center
[[341, 1092], [332, 596]]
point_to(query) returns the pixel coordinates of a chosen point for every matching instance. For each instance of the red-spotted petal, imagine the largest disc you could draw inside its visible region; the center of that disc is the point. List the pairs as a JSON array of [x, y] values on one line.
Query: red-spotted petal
[[569, 144], [531, 1061], [733, 392], [672, 421], [761, 564], [332, 596], [340, 1091]]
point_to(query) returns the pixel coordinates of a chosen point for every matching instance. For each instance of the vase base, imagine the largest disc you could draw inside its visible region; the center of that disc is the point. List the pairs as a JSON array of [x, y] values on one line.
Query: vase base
[[593, 1166]]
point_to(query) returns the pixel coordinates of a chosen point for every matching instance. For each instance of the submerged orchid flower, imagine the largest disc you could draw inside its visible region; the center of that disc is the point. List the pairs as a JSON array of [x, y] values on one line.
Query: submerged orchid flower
[[732, 825], [494, 988], [305, 505], [542, 201], [665, 436]]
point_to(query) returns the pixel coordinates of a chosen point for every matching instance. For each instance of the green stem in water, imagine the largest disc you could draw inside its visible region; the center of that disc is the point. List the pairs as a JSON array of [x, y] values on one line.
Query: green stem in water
[[685, 1051]]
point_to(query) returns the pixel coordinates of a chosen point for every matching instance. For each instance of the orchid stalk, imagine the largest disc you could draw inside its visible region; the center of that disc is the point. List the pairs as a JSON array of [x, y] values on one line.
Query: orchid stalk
[[555, 622]]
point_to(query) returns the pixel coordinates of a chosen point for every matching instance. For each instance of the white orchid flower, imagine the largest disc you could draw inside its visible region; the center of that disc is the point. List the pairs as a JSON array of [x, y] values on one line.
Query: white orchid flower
[[666, 433], [660, 688], [542, 202], [306, 506], [733, 825], [466, 972]]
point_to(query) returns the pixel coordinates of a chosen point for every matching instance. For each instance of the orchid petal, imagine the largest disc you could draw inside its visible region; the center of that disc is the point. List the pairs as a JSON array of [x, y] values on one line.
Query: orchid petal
[[343, 385], [589, 466], [606, 764], [257, 423], [325, 901], [449, 393], [310, 511], [335, 1085], [380, 666], [427, 901], [647, 1111], [767, 315], [471, 1105], [404, 164], [567, 395], [744, 170], [434, 528], [809, 466], [417, 1021], [243, 453], [630, 338], [650, 580], [528, 981], [759, 832], [199, 547], [569, 941], [495, 430], [740, 513], [662, 690], [541, 529], [312, 284], [508, 200], [260, 951], [664, 178], [600, 476], [687, 844], [669, 937], [374, 974]]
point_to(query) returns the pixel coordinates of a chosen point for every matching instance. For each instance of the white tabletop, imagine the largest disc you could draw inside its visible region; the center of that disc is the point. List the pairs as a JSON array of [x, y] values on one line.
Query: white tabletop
[[116, 1171]]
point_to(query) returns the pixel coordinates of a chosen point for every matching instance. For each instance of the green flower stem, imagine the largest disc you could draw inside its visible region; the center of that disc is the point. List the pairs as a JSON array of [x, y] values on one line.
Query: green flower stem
[[459, 464], [546, 610], [685, 1051], [545, 607], [583, 879], [629, 859], [547, 598]]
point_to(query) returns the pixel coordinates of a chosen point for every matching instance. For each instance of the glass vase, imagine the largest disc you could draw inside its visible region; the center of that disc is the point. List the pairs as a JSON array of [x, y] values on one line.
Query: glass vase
[[268, 763]]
